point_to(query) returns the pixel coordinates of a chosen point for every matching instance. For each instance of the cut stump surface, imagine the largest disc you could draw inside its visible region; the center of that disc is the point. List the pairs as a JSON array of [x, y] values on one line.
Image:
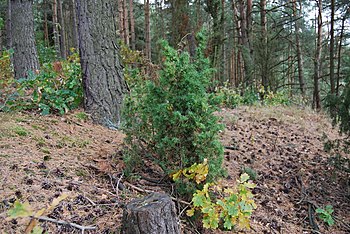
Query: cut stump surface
[[152, 214]]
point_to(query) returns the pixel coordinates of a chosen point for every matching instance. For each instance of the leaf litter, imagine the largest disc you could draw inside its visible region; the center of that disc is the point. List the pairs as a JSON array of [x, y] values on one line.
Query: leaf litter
[[43, 157]]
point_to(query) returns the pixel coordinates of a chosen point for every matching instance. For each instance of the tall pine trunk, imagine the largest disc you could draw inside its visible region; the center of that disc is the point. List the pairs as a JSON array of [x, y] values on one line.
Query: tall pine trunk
[[264, 52], [132, 25], [62, 31], [317, 60], [103, 81], [299, 53], [25, 58], [147, 30], [331, 50]]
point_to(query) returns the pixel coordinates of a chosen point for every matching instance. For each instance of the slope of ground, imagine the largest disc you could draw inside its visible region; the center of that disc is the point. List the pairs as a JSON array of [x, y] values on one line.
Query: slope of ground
[[43, 157], [285, 147]]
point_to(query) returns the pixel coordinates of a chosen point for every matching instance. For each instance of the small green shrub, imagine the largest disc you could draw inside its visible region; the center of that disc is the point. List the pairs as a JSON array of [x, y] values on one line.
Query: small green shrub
[[20, 131], [6, 78], [277, 98], [46, 54], [326, 214], [250, 97], [169, 120], [229, 97], [56, 89]]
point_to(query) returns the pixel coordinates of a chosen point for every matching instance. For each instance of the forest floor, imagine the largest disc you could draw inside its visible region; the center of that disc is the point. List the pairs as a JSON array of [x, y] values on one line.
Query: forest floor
[[42, 157]]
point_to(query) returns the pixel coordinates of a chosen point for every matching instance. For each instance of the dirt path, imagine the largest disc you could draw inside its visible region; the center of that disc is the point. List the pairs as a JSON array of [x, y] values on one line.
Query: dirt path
[[43, 157]]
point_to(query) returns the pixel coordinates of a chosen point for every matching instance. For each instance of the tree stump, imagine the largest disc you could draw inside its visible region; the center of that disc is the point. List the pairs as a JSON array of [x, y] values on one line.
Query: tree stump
[[154, 214]]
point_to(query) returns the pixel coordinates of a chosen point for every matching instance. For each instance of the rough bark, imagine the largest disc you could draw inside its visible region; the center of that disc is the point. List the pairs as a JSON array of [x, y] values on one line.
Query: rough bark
[[317, 60], [103, 81], [25, 58], [151, 215]]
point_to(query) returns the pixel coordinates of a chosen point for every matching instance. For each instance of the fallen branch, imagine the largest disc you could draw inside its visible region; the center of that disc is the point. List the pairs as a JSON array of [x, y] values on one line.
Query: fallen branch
[[61, 222]]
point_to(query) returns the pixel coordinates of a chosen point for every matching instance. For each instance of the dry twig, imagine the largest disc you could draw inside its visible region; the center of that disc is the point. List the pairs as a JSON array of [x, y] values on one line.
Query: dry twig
[[61, 222]]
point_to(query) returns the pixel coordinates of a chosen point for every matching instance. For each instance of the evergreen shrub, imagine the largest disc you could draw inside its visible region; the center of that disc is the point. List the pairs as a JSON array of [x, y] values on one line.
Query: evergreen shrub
[[169, 120]]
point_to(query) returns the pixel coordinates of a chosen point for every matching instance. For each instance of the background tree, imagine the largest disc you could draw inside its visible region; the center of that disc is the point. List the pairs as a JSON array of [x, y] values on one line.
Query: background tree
[[25, 58]]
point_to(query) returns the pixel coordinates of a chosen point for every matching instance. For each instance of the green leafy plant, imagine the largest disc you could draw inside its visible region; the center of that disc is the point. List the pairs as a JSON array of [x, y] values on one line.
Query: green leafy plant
[[326, 214], [228, 97], [233, 209], [56, 89], [224, 208], [169, 121], [46, 54]]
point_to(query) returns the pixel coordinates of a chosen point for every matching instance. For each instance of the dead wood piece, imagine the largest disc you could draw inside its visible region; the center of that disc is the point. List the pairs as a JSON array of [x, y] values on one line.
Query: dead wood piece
[[152, 214], [61, 222]]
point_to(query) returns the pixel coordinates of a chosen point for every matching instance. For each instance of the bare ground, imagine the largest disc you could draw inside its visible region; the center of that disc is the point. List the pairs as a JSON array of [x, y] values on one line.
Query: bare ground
[[43, 157]]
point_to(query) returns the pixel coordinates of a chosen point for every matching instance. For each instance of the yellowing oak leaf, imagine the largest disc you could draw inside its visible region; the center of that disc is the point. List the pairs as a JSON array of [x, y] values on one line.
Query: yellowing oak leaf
[[175, 176], [244, 177], [190, 212], [20, 210]]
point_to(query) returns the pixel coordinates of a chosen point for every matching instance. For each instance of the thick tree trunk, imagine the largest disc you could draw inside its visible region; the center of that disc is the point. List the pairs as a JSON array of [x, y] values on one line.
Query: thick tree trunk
[[103, 81], [151, 215], [25, 58]]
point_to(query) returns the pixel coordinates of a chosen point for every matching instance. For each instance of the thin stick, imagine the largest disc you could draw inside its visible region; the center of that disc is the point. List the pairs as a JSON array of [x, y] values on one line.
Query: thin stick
[[118, 184], [91, 201], [61, 222]]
